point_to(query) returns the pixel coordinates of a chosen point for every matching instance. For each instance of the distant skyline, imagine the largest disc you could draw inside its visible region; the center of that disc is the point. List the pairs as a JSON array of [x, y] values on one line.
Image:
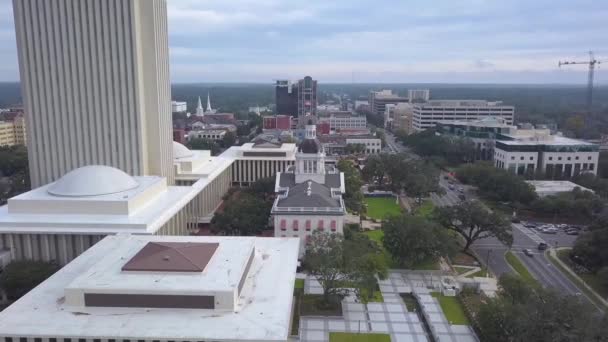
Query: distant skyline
[[390, 41]]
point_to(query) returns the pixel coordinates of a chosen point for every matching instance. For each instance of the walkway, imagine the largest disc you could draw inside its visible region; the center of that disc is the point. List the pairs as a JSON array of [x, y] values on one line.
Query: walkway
[[390, 317]]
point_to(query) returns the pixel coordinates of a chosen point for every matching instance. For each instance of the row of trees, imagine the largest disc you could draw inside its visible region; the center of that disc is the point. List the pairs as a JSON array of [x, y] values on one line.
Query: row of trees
[[440, 148], [522, 312], [412, 239], [574, 204], [245, 212], [397, 172], [496, 184], [590, 249], [353, 197], [214, 146], [14, 172]]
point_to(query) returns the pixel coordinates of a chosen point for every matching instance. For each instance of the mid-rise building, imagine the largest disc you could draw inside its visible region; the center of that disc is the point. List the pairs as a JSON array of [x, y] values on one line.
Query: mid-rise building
[[537, 151], [95, 85], [261, 159], [379, 99], [179, 106], [344, 120], [286, 98], [309, 194], [151, 288], [12, 131], [402, 117], [483, 133], [307, 97], [338, 144], [428, 114]]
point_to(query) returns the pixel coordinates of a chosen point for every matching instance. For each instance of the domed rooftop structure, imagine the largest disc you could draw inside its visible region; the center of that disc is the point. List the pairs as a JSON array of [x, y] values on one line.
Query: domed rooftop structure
[[181, 151], [92, 180]]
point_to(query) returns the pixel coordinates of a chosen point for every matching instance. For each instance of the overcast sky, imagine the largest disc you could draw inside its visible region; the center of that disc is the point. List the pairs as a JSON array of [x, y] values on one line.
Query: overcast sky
[[454, 41]]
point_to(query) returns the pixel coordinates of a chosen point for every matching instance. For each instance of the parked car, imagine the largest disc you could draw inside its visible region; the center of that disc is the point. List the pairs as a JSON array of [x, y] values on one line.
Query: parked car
[[462, 197], [515, 220], [542, 246], [528, 252], [461, 190], [551, 230], [572, 232], [451, 182], [530, 225], [451, 187], [446, 177]]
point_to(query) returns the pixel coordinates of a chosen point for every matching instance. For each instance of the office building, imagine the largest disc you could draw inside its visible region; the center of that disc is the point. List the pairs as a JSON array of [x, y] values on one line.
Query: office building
[[379, 99], [344, 120], [402, 117], [418, 95], [483, 133], [179, 106], [551, 188], [309, 194], [286, 98], [260, 159], [149, 288], [95, 85], [338, 144], [537, 151], [12, 130], [428, 114], [307, 97]]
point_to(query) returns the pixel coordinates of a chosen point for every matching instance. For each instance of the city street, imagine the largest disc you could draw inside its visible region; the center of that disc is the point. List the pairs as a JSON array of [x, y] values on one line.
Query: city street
[[491, 251]]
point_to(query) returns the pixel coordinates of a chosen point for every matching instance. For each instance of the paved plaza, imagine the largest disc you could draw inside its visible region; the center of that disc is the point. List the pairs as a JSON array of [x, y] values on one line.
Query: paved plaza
[[390, 317]]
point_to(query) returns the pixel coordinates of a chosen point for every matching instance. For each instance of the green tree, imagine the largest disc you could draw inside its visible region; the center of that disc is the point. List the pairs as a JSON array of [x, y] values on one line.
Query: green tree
[[19, 277], [411, 240], [353, 197], [228, 140], [421, 179], [374, 170], [537, 314], [364, 265], [243, 214], [325, 261], [590, 248], [473, 222], [496, 184]]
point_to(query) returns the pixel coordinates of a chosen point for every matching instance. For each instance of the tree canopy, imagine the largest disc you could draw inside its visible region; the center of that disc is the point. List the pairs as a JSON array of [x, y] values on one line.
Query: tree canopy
[[496, 184], [524, 313], [339, 263], [473, 221], [454, 150], [353, 198], [14, 172], [204, 144], [19, 277], [412, 239]]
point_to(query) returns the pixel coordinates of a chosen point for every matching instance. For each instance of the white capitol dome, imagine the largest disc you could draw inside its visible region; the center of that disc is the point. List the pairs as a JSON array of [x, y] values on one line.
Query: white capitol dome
[[181, 151], [92, 180]]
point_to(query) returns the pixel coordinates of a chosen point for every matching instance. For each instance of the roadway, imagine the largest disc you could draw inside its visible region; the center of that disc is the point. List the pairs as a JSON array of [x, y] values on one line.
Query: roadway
[[491, 251]]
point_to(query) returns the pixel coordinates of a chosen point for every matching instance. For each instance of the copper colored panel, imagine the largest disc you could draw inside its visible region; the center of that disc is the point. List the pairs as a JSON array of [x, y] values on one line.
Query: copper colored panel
[[172, 257]]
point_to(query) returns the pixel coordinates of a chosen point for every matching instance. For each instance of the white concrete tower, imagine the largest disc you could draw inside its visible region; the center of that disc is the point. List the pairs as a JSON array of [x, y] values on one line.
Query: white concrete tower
[[95, 85], [199, 108], [310, 159], [208, 110]]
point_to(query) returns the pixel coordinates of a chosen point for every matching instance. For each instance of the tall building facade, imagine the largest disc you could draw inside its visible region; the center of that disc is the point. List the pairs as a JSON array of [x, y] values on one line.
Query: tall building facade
[[286, 98], [428, 114], [379, 99], [95, 84], [307, 97]]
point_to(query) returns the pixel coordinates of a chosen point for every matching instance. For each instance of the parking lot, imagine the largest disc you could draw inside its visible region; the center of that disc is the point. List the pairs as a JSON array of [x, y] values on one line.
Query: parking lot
[[553, 235]]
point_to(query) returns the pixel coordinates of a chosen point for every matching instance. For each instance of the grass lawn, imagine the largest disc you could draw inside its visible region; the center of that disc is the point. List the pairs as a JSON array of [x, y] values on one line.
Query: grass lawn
[[480, 273], [425, 209], [377, 296], [354, 337], [461, 270], [431, 264], [299, 284], [379, 207], [451, 308], [375, 235], [519, 267], [590, 279], [312, 305]]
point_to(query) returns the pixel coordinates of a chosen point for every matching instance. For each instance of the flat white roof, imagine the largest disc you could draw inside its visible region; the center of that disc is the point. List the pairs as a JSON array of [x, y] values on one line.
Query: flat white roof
[[551, 140], [262, 314], [555, 186]]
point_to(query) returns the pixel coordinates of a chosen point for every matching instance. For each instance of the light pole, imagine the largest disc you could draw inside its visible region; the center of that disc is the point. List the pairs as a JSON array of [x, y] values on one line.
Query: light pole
[[488, 262]]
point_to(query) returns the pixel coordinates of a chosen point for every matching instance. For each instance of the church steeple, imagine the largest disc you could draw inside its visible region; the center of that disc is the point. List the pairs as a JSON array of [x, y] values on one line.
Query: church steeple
[[199, 108], [209, 110]]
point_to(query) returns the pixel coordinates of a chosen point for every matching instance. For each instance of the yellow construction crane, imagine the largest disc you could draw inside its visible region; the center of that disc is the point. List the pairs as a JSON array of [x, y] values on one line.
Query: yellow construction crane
[[592, 62]]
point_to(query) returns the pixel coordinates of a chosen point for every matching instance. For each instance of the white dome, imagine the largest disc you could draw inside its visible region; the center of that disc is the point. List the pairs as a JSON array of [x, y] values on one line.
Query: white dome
[[92, 180], [181, 151]]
